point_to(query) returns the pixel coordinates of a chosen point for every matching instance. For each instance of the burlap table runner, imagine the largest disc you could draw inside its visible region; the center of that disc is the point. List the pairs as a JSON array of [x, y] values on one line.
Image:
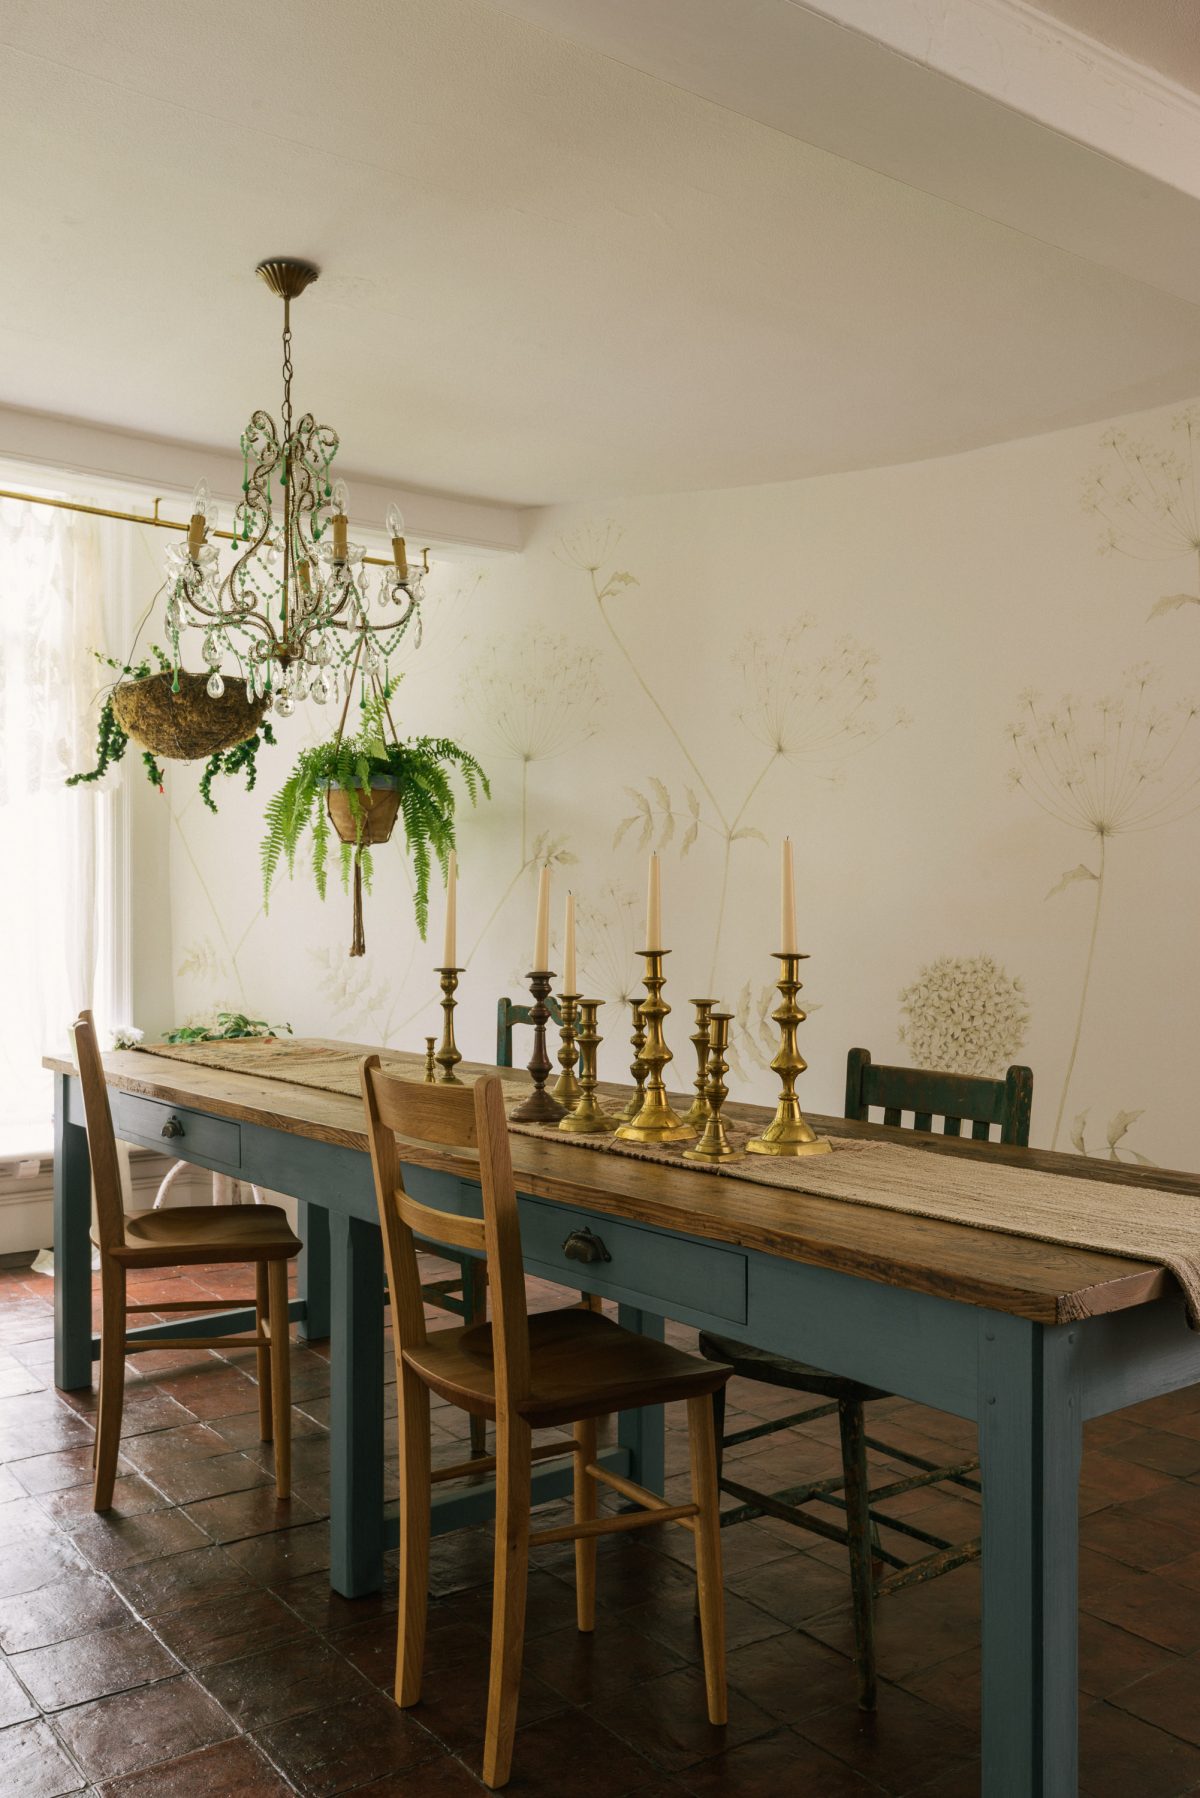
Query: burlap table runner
[[1139, 1223]]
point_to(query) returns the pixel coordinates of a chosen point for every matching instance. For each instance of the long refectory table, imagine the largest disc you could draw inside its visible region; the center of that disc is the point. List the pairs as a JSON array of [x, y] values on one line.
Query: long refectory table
[[1025, 1338]]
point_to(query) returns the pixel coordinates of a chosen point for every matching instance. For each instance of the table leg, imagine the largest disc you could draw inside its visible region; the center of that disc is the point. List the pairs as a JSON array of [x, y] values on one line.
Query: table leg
[[312, 1223], [1030, 1438], [641, 1432], [356, 1406], [72, 1248]]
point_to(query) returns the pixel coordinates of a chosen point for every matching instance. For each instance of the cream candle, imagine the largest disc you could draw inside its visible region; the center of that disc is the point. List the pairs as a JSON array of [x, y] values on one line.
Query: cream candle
[[450, 946], [787, 902], [541, 935], [654, 907]]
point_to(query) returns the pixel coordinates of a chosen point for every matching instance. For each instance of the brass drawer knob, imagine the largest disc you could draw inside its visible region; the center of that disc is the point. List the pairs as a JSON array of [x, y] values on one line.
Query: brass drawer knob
[[581, 1245], [172, 1127]]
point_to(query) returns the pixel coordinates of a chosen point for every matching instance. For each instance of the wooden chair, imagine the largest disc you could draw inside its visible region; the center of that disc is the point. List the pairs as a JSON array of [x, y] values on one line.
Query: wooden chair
[[179, 1237], [508, 1014], [955, 1098], [525, 1373]]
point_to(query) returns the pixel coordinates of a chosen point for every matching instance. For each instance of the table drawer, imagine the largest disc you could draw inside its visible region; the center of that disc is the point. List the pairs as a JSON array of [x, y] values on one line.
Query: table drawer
[[695, 1276], [174, 1130]]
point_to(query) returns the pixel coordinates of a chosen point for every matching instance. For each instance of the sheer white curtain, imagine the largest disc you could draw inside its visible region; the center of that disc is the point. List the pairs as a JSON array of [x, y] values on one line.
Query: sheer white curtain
[[50, 620]]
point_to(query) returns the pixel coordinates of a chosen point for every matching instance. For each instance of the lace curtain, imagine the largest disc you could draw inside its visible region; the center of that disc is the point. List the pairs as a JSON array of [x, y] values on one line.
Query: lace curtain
[[50, 619]]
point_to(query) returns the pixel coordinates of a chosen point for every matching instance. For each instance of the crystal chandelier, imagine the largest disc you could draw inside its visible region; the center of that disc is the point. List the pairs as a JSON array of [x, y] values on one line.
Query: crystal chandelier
[[292, 612]]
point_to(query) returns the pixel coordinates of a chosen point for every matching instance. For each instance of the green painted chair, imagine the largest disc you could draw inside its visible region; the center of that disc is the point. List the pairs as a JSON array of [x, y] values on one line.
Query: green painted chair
[[874, 1569], [508, 1014]]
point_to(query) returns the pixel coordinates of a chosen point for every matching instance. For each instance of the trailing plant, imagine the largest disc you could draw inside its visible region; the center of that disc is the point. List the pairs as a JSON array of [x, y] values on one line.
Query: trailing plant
[[420, 768], [112, 741], [229, 1026]]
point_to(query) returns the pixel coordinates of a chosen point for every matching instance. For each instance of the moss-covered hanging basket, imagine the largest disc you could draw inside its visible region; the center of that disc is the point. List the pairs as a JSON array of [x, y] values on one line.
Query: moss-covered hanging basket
[[189, 724]]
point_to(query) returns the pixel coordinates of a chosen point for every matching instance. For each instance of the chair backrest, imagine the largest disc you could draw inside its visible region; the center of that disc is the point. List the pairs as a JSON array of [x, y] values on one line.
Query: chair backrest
[[102, 1145], [955, 1098], [508, 1014], [470, 1117]]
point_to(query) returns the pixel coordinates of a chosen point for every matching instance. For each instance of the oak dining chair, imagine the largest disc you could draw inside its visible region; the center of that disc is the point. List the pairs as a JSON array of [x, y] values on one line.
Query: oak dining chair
[[524, 1373], [874, 1569], [180, 1236]]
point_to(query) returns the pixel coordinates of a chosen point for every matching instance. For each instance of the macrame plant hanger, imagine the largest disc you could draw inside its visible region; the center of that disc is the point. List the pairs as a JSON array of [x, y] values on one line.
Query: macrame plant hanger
[[374, 818]]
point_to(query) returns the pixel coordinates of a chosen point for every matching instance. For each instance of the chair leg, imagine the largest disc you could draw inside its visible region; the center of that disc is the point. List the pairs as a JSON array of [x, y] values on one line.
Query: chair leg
[[513, 1444], [474, 1291], [412, 1402], [281, 1376], [585, 1510], [710, 1592], [858, 1528], [718, 1409], [112, 1382], [263, 1308]]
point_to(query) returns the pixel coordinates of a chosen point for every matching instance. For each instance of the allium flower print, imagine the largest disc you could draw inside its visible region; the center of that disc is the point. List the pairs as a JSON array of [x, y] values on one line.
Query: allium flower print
[[964, 1014]]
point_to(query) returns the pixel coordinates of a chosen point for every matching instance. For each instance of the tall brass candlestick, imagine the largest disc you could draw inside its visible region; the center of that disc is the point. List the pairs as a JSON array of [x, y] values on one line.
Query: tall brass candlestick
[[540, 1107], [638, 1066], [698, 1114], [588, 1119], [431, 1061], [448, 1056], [655, 1122], [789, 1132], [567, 1088], [714, 1145]]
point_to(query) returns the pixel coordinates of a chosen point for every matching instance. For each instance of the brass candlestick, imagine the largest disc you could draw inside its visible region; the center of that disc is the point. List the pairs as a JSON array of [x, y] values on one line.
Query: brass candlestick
[[540, 1107], [588, 1119], [448, 1056], [655, 1122], [567, 1088], [638, 1066], [714, 1145], [698, 1114], [789, 1132], [430, 1061]]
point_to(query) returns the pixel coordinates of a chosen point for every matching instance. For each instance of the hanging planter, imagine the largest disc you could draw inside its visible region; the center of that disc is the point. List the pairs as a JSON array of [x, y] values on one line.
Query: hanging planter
[[362, 815], [176, 716]]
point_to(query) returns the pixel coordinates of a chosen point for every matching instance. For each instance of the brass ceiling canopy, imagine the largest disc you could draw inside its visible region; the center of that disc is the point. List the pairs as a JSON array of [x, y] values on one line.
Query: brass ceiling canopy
[[287, 276]]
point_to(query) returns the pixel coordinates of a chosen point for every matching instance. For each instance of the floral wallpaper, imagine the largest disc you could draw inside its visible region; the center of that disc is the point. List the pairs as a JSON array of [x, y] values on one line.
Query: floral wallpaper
[[971, 700]]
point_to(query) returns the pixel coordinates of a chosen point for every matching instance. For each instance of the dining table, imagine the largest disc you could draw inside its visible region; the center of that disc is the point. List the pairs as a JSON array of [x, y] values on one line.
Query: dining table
[[1026, 1338]]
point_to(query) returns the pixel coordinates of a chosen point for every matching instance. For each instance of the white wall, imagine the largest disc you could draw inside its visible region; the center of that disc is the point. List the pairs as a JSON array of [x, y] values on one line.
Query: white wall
[[952, 588]]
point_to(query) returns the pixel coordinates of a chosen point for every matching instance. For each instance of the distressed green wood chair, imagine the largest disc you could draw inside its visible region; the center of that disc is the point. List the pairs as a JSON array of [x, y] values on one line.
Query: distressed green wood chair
[[508, 1014], [875, 1570]]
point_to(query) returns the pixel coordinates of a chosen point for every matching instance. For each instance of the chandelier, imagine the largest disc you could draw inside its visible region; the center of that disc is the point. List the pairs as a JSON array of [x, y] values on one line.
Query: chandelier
[[292, 613]]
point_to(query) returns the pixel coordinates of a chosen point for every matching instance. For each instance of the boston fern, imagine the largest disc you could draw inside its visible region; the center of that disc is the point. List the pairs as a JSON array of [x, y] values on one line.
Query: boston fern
[[420, 770]]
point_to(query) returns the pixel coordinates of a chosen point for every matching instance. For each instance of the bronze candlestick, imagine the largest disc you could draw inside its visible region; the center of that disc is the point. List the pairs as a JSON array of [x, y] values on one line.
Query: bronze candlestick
[[448, 1056], [430, 1060], [567, 1088], [789, 1132], [698, 1114], [638, 1066], [655, 1122], [588, 1119], [540, 1107], [714, 1145]]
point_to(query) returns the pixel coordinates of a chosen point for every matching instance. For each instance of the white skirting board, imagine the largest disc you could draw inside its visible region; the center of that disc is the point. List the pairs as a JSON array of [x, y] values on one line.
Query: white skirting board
[[27, 1195]]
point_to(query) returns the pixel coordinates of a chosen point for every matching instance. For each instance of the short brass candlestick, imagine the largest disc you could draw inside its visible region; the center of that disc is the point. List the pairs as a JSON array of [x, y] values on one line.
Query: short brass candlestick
[[448, 1056], [789, 1132], [714, 1145], [698, 1114], [655, 1122], [430, 1060], [588, 1119], [567, 1088], [638, 1066], [540, 1107]]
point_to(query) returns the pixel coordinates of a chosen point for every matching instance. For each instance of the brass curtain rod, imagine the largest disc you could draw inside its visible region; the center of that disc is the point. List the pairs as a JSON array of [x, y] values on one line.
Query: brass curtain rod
[[163, 524]]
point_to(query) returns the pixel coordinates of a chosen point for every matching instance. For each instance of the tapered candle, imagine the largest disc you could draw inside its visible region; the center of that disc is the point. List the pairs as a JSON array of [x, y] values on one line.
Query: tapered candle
[[653, 908], [787, 903], [568, 985], [450, 950], [541, 936]]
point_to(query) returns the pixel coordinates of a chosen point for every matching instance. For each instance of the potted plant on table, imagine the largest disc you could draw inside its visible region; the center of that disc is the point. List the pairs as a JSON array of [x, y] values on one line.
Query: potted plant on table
[[360, 785]]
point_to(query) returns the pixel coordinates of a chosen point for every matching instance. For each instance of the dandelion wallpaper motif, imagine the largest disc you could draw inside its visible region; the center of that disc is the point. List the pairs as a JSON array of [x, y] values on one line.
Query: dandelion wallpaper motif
[[835, 660]]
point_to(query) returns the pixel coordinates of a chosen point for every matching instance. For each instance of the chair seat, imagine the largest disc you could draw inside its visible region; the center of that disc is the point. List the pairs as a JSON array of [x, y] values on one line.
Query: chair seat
[[777, 1370], [581, 1364], [198, 1233]]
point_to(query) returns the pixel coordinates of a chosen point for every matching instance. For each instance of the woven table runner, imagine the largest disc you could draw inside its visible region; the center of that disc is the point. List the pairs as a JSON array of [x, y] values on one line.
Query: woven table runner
[[1144, 1224]]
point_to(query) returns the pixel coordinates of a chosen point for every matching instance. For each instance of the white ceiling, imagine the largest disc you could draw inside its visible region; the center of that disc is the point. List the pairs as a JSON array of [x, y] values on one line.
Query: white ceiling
[[1162, 34], [548, 274]]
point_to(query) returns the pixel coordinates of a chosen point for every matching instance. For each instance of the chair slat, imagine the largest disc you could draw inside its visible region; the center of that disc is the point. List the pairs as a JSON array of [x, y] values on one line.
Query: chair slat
[[951, 1126], [922, 1120], [981, 1130], [891, 1116], [442, 1226], [440, 1114]]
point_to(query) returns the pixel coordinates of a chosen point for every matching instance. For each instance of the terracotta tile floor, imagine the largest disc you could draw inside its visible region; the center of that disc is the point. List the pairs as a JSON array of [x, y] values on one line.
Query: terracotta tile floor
[[188, 1645]]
